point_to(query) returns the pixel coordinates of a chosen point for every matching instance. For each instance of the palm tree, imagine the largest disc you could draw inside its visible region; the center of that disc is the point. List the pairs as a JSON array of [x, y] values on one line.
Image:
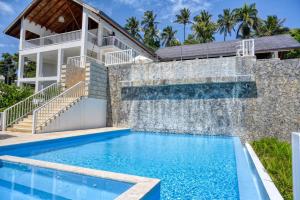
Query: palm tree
[[272, 26], [151, 38], [167, 35], [247, 19], [226, 22], [183, 18], [133, 27], [203, 27]]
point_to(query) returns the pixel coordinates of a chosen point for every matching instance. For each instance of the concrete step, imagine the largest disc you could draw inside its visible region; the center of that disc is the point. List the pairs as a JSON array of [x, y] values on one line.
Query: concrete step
[[21, 130], [21, 126]]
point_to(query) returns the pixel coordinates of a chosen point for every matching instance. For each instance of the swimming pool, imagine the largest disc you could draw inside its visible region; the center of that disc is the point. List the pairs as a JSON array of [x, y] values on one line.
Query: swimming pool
[[189, 167], [19, 181]]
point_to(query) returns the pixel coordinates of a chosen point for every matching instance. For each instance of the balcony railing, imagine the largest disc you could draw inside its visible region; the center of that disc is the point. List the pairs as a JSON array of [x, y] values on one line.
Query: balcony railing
[[246, 48], [53, 39], [120, 57], [114, 41], [81, 61]]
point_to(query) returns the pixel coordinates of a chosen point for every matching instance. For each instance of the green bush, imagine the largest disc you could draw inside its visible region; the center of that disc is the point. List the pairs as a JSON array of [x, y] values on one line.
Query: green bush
[[276, 156], [11, 94]]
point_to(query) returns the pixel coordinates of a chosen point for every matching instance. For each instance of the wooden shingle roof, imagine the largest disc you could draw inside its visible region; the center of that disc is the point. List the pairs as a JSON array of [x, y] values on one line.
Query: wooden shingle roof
[[227, 48]]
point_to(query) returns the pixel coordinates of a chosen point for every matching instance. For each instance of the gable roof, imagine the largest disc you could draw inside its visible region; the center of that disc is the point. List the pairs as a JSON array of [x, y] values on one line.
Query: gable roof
[[14, 28], [228, 48]]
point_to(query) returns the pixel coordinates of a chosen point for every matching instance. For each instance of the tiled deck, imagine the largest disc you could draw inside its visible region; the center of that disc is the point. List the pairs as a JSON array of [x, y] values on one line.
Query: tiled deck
[[9, 138]]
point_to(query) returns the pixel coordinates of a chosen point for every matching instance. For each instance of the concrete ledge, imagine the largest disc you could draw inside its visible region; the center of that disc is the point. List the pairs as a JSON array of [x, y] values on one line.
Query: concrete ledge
[[225, 79], [266, 180], [141, 188]]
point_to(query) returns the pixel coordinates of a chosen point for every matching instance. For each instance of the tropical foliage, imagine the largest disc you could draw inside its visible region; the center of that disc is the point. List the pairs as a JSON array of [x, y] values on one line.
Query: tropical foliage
[[294, 53], [149, 23], [168, 36], [203, 27], [272, 26], [245, 21], [11, 94], [226, 22], [276, 156], [184, 18], [8, 67], [133, 27]]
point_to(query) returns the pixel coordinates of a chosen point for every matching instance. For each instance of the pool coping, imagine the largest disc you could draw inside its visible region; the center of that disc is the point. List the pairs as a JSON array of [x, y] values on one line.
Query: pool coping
[[142, 185], [246, 191], [58, 135], [271, 190]]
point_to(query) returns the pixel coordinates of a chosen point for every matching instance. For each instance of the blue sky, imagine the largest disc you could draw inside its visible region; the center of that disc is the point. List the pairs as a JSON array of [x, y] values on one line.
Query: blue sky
[[120, 10]]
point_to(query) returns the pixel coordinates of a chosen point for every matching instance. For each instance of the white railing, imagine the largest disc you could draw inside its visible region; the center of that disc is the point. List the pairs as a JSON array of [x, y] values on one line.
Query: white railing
[[53, 39], [81, 61], [92, 38], [43, 114], [296, 164], [120, 57], [246, 48], [25, 107], [114, 41]]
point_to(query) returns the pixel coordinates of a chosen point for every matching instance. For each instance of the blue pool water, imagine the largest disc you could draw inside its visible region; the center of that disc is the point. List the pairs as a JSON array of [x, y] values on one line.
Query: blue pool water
[[22, 182], [189, 167]]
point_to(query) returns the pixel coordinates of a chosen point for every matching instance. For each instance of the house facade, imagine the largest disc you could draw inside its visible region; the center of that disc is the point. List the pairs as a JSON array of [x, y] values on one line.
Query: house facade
[[57, 32]]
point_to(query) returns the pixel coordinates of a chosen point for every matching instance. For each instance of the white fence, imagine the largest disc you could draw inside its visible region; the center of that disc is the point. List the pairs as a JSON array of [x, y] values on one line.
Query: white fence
[[296, 164], [246, 48], [120, 57]]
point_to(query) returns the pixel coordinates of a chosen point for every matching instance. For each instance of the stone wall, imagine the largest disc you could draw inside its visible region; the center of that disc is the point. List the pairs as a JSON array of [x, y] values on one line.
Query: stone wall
[[251, 99]]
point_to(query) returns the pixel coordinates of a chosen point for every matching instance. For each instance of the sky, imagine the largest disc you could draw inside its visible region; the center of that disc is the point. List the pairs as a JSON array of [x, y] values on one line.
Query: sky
[[166, 10]]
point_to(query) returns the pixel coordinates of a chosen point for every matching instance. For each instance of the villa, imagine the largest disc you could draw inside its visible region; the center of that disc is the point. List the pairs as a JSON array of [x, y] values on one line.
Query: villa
[[91, 74]]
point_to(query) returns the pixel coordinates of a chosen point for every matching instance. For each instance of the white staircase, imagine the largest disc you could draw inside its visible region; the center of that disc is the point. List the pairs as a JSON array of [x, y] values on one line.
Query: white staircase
[[33, 114]]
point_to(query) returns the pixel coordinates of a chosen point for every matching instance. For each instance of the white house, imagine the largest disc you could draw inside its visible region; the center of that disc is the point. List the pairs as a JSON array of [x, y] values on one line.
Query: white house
[[53, 32]]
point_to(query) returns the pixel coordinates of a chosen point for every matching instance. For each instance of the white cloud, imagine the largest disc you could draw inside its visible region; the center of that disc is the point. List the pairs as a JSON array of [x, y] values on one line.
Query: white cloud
[[6, 8]]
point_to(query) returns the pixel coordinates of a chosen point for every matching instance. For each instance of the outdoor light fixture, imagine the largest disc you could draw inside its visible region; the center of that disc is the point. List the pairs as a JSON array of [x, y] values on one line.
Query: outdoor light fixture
[[61, 19]]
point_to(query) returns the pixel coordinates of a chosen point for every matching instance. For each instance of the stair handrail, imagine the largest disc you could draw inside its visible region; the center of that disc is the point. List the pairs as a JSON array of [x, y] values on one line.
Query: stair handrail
[[44, 113], [21, 109]]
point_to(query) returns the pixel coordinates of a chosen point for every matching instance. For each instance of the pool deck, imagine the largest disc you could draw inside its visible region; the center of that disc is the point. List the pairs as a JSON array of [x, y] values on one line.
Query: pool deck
[[10, 138]]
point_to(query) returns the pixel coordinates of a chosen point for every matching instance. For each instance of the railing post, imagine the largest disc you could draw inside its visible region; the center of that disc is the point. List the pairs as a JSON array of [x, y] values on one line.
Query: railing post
[[33, 122], [4, 121], [296, 164]]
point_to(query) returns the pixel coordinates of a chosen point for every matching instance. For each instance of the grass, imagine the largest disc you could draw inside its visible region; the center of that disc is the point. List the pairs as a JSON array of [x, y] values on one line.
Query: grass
[[276, 156]]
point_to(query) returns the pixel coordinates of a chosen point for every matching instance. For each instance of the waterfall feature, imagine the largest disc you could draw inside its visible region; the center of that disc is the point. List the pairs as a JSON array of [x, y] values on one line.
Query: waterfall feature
[[200, 96]]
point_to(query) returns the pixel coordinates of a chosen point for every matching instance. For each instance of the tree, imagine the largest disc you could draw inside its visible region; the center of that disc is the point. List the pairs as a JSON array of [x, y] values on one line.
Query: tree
[[294, 53], [247, 19], [167, 35], [183, 18], [8, 67], [272, 26], [133, 27], [151, 38], [175, 42], [191, 40], [226, 22], [203, 27]]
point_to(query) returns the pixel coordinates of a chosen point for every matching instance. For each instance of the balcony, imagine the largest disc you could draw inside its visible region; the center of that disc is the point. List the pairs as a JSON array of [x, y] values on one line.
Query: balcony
[[114, 43], [59, 39]]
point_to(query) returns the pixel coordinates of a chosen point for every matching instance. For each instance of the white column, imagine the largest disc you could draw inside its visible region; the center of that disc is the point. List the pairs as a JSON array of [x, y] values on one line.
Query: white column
[[22, 35], [20, 69], [39, 63], [60, 60], [84, 35], [100, 38], [296, 164]]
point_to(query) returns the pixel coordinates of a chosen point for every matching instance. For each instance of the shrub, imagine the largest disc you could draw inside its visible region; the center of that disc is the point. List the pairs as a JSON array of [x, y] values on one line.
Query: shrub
[[276, 156], [11, 94]]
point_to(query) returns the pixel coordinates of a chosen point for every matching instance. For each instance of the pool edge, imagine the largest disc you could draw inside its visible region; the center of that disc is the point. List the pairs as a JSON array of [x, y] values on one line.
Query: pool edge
[[143, 187], [268, 184]]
